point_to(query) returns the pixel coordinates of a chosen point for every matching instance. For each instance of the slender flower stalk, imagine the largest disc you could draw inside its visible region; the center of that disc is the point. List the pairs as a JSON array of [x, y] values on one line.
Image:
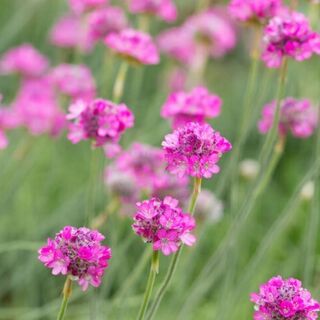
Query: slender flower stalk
[[120, 82], [144, 22], [176, 257], [67, 290]]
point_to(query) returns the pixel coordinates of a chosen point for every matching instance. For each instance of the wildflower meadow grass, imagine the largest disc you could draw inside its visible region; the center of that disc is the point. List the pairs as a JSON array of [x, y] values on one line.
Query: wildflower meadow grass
[[159, 159]]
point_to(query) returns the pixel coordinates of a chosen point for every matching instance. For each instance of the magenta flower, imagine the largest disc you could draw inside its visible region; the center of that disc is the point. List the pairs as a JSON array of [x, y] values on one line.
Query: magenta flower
[[163, 224], [284, 299], [165, 9], [101, 22], [296, 116], [135, 46], [70, 32], [82, 6], [37, 109], [75, 81], [194, 150], [195, 106], [289, 35], [25, 60], [254, 11], [77, 253], [101, 121]]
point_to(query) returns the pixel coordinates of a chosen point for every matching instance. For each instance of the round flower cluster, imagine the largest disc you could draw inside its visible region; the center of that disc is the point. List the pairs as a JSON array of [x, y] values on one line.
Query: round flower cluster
[[284, 299], [165, 9], [133, 45], [101, 121], [77, 253], [194, 150], [141, 171], [289, 35], [254, 11], [75, 81], [195, 106], [297, 116], [25, 60], [163, 224], [81, 6]]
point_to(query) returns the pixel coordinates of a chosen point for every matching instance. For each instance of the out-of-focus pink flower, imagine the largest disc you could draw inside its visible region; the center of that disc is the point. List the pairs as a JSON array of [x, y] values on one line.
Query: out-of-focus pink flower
[[75, 81], [177, 79], [101, 22], [70, 32], [296, 116], [194, 150], [254, 11], [77, 253], [164, 9], [194, 106], [288, 35], [135, 46], [36, 107], [25, 60], [284, 299], [82, 6], [143, 167], [101, 121], [164, 224]]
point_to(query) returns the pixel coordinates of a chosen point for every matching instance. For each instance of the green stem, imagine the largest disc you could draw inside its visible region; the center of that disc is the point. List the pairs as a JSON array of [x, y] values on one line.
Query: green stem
[[67, 289], [176, 257], [106, 72], [144, 22], [154, 269], [120, 82]]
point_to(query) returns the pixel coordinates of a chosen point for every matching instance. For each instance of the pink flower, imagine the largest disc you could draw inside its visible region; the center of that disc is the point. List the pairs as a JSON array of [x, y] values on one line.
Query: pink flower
[[177, 79], [133, 45], [101, 121], [284, 299], [25, 60], [36, 107], [164, 224], [70, 32], [254, 11], [194, 150], [195, 106], [288, 35], [81, 6], [164, 9], [101, 22], [77, 253], [75, 81], [296, 116]]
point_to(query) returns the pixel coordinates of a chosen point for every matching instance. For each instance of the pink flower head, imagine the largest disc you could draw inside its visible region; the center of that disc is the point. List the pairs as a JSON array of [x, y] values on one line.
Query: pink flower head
[[82, 6], [164, 9], [164, 224], [194, 150], [288, 35], [25, 60], [36, 107], [135, 46], [75, 81], [101, 22], [77, 253], [212, 31], [70, 32], [296, 116], [284, 299], [101, 121], [254, 11], [195, 106]]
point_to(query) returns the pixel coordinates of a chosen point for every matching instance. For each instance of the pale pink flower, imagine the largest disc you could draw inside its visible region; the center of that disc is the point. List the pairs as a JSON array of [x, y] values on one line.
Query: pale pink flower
[[284, 299], [164, 9], [164, 224], [77, 253], [135, 46], [296, 116], [25, 60], [82, 6], [177, 79], [198, 105]]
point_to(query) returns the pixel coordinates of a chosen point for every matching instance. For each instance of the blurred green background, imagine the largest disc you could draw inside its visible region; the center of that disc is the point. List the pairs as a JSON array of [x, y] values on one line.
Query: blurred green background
[[44, 183]]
